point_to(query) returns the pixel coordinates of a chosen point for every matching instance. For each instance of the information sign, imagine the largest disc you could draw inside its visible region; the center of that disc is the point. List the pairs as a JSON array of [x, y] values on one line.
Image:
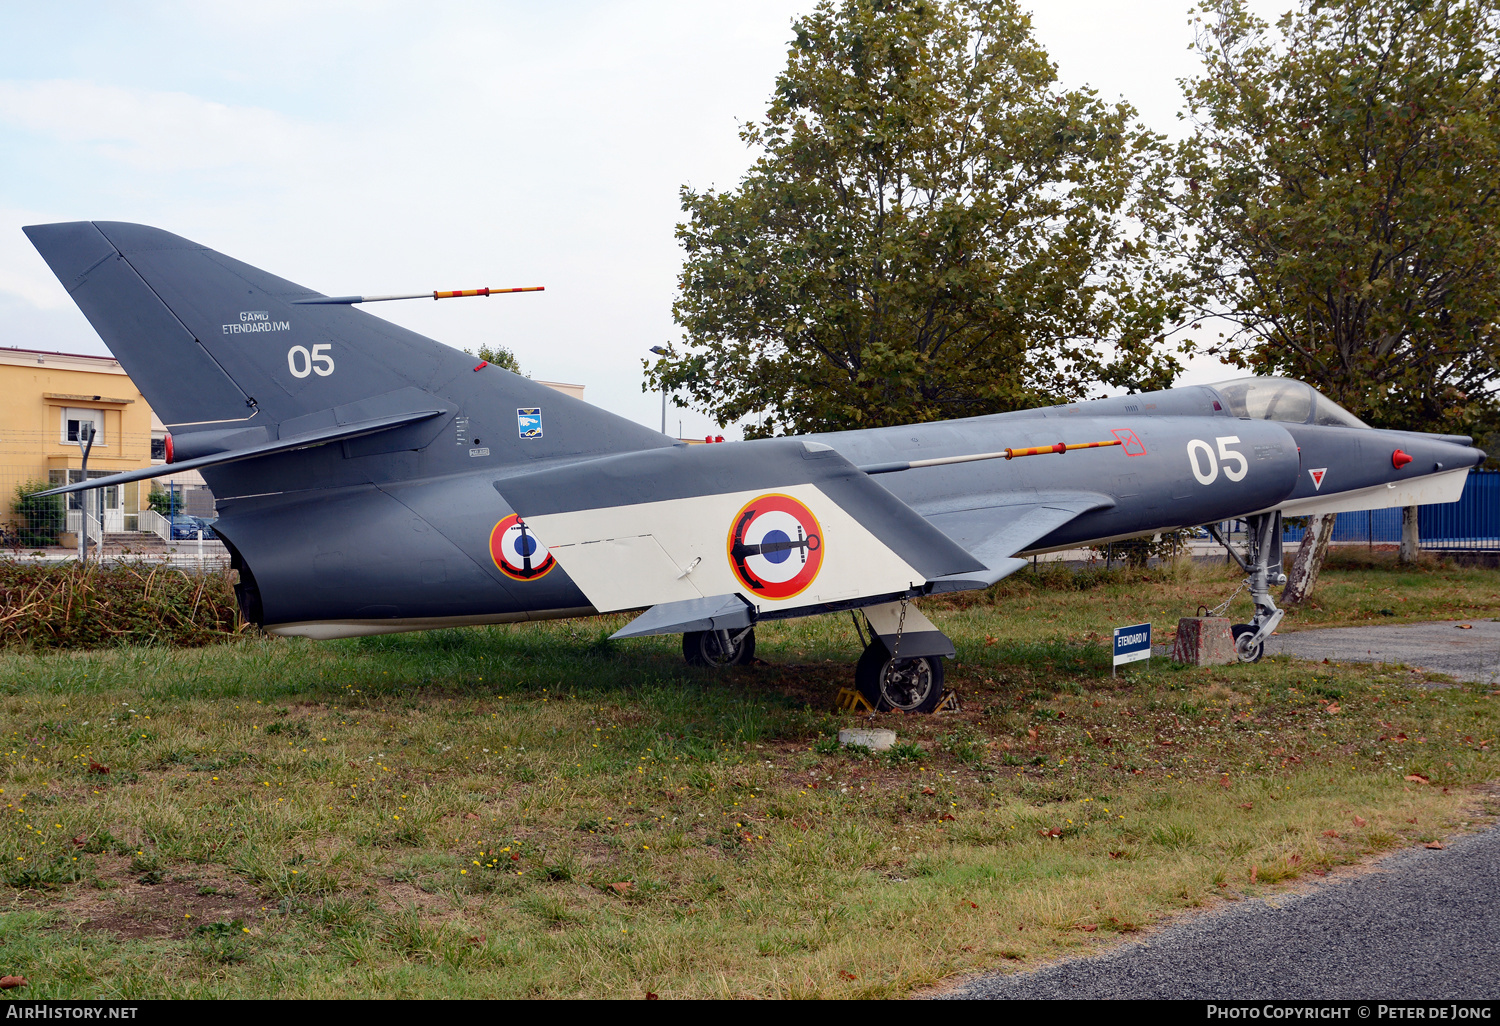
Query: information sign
[[1132, 644]]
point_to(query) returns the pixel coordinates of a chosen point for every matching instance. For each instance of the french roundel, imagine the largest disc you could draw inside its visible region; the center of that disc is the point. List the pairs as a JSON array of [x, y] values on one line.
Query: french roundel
[[517, 552], [776, 546]]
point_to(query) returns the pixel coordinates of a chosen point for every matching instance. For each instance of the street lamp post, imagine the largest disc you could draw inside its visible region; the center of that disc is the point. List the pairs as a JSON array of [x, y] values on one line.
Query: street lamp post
[[662, 351], [85, 443]]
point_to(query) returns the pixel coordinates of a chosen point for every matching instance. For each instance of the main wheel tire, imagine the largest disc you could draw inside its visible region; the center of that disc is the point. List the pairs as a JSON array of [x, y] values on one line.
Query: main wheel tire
[[915, 685], [704, 648], [1243, 632]]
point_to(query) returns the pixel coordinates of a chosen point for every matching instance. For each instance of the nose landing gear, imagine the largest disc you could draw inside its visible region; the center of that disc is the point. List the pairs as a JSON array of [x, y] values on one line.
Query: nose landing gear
[[1262, 566]]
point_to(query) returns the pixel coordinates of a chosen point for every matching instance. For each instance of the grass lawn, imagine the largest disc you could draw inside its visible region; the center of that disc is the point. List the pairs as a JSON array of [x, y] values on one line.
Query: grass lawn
[[536, 811]]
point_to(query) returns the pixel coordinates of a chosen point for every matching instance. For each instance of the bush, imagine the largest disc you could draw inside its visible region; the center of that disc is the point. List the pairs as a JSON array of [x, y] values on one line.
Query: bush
[[39, 519], [65, 606]]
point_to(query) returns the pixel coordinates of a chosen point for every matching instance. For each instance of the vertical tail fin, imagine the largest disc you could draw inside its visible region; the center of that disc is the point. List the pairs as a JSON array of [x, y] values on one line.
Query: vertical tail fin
[[222, 349]]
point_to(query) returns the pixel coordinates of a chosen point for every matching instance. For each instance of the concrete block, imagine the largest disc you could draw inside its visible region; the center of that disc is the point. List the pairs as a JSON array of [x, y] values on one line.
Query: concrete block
[[874, 739], [1204, 641]]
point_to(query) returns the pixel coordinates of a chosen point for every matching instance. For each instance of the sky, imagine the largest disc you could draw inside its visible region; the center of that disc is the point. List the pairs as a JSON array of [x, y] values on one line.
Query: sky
[[377, 148]]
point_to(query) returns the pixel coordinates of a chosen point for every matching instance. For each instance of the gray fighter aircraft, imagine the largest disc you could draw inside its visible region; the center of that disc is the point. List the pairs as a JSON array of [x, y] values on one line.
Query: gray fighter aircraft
[[370, 480]]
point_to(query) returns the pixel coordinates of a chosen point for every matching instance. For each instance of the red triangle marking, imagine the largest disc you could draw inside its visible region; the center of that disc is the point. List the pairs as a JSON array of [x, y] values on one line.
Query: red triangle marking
[[1317, 478]]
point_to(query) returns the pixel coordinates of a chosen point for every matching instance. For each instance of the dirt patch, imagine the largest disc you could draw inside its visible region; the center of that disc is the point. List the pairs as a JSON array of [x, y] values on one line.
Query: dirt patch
[[400, 895], [136, 911]]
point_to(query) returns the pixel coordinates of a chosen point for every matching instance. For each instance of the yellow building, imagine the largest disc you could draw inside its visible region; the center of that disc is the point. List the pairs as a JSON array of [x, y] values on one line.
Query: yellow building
[[44, 398]]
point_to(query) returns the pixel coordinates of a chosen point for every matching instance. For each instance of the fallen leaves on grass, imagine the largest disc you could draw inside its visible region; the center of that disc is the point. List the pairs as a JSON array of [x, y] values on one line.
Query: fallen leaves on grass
[[1436, 845], [1417, 778], [12, 982], [622, 887], [98, 769], [1359, 821]]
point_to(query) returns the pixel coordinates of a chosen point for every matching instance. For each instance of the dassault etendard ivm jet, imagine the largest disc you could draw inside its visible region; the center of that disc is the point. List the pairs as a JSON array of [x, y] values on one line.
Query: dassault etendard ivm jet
[[370, 480]]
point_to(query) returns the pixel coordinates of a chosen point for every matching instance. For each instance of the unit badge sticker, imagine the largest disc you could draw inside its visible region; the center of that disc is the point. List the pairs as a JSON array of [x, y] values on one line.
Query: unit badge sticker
[[775, 546], [517, 552], [529, 422]]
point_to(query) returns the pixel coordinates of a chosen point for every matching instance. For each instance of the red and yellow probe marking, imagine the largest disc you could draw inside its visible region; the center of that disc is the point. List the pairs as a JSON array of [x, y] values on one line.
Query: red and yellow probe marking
[[455, 294], [1003, 454], [1060, 447], [458, 293]]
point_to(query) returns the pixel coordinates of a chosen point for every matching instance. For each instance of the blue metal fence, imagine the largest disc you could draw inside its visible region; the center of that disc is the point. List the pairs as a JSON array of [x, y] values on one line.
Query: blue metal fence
[[1473, 522]]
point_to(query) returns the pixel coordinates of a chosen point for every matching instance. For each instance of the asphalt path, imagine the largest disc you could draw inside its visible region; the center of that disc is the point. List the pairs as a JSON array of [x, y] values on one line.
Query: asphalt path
[[1421, 924], [1469, 653]]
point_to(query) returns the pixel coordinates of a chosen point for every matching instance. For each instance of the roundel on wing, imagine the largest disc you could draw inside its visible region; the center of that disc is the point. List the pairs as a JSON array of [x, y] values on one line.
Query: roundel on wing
[[517, 552], [775, 546]]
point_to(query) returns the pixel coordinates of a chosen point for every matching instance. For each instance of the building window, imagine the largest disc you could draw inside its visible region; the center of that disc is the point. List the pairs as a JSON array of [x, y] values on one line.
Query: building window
[[159, 448], [72, 421], [112, 494]]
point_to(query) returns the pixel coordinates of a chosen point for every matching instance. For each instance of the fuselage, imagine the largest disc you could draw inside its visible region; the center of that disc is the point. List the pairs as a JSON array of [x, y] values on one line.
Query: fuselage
[[444, 551]]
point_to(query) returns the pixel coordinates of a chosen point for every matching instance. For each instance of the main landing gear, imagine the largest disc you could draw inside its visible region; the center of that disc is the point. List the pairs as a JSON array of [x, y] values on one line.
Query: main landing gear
[[906, 685], [719, 648], [1262, 566], [901, 669]]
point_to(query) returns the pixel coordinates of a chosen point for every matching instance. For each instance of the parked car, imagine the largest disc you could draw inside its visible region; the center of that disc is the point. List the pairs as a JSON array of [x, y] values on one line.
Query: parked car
[[185, 527]]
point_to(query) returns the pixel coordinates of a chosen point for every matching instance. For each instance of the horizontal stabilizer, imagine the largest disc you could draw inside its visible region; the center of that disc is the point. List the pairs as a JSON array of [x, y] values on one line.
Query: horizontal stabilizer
[[719, 613], [340, 433]]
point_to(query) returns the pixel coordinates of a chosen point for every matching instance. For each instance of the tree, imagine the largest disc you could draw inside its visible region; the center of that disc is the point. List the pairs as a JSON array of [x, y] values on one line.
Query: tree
[[1343, 188], [499, 356], [932, 229], [39, 518]]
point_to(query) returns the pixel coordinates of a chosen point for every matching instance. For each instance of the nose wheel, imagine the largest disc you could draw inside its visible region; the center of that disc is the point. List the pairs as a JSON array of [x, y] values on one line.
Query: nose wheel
[[908, 685], [1245, 646], [719, 648]]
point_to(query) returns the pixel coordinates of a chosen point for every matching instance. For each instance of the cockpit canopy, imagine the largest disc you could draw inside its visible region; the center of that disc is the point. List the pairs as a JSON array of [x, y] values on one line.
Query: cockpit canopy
[[1286, 400]]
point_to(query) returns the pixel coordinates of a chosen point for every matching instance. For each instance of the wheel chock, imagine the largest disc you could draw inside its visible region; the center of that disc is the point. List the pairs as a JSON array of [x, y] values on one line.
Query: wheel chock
[[949, 703], [850, 700]]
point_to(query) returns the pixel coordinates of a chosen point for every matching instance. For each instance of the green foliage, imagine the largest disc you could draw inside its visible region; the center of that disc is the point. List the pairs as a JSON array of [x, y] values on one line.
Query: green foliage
[[39, 519], [499, 356], [1138, 552], [1341, 188], [161, 501], [933, 229]]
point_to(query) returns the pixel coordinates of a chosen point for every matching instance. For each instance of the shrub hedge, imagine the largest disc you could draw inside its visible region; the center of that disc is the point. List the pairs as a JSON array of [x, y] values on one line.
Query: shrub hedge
[[61, 605]]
